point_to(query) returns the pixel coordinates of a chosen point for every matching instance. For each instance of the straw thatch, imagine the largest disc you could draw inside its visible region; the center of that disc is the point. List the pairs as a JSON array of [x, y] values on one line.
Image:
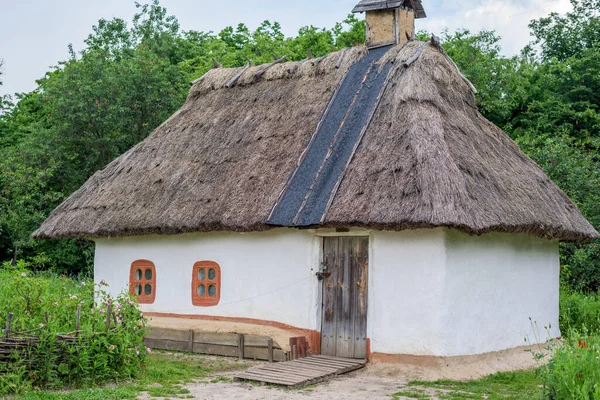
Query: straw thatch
[[428, 159]]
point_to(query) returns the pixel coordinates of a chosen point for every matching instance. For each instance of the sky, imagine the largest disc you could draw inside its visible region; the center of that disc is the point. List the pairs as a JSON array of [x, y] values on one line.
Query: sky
[[34, 34]]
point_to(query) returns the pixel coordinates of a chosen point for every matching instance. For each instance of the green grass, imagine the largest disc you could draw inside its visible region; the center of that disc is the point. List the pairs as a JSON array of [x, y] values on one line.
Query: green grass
[[164, 376], [504, 385], [418, 394]]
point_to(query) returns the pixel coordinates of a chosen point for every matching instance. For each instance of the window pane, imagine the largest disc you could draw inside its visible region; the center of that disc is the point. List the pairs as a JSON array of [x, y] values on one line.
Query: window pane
[[148, 289], [212, 290], [201, 274], [138, 274], [148, 274], [211, 274], [138, 289], [201, 290]]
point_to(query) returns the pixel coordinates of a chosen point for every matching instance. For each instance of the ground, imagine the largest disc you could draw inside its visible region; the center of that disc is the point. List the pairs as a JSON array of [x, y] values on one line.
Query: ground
[[361, 386], [177, 375]]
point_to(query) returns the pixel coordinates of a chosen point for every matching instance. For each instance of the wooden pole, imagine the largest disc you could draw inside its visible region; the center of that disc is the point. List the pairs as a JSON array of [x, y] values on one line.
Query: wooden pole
[[270, 346], [241, 346], [318, 60], [233, 80], [78, 321], [9, 324], [294, 67], [417, 54], [264, 69], [108, 312], [190, 347], [339, 61]]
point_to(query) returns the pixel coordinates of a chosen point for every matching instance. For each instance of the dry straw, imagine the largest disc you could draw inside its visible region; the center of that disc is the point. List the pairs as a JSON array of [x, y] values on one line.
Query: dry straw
[[428, 159]]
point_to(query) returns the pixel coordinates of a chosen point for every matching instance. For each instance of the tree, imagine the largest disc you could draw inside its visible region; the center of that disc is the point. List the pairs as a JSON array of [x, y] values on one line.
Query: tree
[[558, 123], [563, 36], [5, 101]]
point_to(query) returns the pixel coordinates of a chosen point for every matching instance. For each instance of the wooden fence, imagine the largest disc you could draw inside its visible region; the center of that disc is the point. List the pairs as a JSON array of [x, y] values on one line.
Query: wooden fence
[[13, 343], [16, 344], [220, 344]]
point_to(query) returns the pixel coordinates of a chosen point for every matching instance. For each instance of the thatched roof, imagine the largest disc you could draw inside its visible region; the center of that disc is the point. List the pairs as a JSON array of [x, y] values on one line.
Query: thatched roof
[[228, 157]]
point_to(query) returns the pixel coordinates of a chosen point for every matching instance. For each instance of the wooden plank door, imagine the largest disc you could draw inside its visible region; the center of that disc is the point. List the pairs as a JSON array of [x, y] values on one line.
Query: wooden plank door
[[344, 312]]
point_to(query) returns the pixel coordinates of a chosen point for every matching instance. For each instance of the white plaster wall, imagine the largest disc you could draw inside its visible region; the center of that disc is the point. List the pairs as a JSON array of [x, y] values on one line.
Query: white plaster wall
[[431, 292], [264, 275], [406, 283], [493, 284]]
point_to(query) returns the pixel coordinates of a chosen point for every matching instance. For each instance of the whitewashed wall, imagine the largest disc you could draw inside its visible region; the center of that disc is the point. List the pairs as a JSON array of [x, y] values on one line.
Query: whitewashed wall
[[406, 282], [444, 293], [264, 275], [494, 284], [431, 292]]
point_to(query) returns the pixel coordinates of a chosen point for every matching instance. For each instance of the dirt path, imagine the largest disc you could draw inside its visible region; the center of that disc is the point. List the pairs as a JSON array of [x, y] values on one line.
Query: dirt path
[[353, 386], [374, 382]]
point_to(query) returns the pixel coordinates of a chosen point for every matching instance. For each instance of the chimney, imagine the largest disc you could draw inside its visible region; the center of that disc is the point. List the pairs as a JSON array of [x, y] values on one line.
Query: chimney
[[390, 22]]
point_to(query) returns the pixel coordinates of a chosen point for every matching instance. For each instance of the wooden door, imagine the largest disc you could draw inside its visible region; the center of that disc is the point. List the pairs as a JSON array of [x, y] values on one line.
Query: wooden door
[[344, 313]]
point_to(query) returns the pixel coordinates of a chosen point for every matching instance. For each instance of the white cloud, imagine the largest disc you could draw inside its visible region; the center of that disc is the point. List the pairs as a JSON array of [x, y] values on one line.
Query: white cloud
[[510, 19]]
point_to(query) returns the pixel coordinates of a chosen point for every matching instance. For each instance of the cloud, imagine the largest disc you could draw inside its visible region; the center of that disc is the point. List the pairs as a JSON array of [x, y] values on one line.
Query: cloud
[[509, 18]]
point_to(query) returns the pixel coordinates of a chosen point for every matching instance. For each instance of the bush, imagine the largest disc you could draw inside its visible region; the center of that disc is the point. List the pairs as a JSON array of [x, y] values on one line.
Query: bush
[[574, 370], [93, 356], [579, 312]]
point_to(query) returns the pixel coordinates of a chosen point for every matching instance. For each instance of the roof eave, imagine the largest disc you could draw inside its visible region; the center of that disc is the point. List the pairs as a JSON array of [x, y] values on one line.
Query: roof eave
[[390, 5]]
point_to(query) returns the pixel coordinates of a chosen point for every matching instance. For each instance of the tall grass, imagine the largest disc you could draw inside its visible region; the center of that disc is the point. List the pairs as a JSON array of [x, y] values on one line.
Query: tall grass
[[579, 312], [45, 306], [573, 372]]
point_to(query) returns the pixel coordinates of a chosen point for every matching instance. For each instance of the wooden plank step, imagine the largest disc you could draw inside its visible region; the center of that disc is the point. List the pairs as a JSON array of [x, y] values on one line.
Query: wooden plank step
[[340, 359], [312, 367], [305, 374], [324, 363], [293, 379], [267, 379], [295, 370], [300, 372]]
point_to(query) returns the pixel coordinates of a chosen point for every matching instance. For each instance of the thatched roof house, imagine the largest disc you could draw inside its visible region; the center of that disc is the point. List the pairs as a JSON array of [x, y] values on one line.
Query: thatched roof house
[[383, 144]]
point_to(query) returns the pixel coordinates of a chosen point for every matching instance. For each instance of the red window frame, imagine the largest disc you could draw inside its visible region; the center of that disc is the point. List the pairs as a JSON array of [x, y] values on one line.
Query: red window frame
[[202, 297], [142, 282]]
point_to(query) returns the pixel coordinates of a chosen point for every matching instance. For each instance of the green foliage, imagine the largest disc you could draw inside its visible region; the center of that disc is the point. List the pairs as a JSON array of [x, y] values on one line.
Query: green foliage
[[232, 47], [579, 312], [573, 373], [500, 81], [97, 356], [163, 376], [563, 36]]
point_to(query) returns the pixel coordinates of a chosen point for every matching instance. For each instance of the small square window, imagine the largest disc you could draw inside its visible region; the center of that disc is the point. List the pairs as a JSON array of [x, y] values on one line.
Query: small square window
[[206, 284], [142, 281]]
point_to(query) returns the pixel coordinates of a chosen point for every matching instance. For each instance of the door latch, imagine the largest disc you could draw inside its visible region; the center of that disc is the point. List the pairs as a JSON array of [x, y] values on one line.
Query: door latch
[[323, 273]]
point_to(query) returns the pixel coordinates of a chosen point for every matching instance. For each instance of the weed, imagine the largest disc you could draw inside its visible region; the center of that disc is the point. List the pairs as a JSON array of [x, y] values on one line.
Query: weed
[[45, 306], [503, 385], [164, 375]]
